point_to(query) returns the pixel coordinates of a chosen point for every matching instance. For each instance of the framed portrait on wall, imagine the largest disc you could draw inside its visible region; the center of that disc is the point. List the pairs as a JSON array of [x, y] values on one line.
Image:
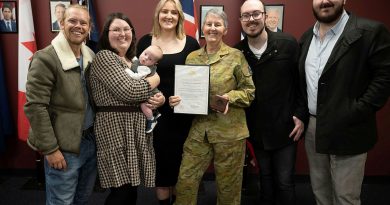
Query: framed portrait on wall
[[57, 10], [8, 20], [275, 14], [80, 2], [203, 10]]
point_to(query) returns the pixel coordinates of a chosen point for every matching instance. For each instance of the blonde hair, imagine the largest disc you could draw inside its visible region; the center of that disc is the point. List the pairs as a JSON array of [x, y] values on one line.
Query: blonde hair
[[156, 30], [77, 6]]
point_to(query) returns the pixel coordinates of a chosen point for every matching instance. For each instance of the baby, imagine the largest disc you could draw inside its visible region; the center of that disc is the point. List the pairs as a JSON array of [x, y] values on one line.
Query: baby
[[146, 66]]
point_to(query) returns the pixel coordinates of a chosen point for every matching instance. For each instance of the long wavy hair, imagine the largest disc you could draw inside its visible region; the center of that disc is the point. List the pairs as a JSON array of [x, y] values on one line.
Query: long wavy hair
[[156, 30]]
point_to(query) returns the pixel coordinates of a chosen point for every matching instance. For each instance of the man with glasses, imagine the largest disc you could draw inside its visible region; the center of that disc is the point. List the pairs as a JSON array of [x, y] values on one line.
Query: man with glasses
[[60, 114], [275, 117]]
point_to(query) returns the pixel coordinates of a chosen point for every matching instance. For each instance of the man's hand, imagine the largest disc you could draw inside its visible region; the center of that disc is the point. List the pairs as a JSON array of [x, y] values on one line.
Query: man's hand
[[298, 129], [56, 160]]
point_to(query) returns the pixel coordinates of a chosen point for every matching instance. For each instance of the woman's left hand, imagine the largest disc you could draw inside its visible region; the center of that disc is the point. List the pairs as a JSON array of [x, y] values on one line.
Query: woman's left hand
[[156, 101], [227, 105], [153, 80]]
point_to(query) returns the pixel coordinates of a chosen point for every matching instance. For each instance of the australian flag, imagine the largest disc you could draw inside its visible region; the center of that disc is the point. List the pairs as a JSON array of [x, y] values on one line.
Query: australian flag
[[6, 126], [190, 18], [94, 34]]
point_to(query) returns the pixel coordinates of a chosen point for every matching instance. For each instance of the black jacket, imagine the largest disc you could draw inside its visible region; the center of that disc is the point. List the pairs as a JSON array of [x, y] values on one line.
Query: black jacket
[[354, 84], [277, 99]]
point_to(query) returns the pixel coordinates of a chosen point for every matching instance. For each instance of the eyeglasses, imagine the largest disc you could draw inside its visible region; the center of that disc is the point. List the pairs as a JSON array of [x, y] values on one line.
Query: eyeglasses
[[118, 31], [255, 15]]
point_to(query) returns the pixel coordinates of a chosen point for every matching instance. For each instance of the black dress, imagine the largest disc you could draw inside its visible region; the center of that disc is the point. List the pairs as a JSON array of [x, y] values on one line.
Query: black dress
[[172, 129]]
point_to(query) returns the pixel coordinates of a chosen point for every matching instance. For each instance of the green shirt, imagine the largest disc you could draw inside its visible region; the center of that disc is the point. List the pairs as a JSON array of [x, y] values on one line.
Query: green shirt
[[229, 74]]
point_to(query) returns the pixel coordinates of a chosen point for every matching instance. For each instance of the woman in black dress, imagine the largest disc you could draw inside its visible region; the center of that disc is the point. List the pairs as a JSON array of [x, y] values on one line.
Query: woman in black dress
[[172, 129]]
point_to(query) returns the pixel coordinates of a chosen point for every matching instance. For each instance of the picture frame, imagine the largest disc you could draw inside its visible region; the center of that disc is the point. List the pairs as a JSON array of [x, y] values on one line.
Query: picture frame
[[8, 17], [203, 10], [80, 2], [275, 15], [57, 9]]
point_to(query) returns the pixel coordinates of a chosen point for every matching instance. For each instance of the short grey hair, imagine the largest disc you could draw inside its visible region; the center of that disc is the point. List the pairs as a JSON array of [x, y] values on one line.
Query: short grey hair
[[221, 14]]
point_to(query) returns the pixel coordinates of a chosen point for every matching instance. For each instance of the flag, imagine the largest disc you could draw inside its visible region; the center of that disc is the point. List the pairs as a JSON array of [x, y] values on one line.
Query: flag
[[13, 12], [6, 127], [94, 34], [1, 11], [26, 48], [190, 18]]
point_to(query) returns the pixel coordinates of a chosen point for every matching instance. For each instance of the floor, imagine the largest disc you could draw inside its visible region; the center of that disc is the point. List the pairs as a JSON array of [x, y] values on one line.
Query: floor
[[22, 190]]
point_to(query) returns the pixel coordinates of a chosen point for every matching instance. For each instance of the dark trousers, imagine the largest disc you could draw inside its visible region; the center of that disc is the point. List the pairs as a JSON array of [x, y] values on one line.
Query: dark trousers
[[277, 169], [126, 195]]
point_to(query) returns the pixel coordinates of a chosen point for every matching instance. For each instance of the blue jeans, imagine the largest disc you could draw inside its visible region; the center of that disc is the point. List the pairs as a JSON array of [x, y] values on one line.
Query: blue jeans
[[277, 168], [75, 184]]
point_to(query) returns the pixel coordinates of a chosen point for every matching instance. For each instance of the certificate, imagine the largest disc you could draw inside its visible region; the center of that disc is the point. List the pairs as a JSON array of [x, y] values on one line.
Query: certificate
[[192, 85]]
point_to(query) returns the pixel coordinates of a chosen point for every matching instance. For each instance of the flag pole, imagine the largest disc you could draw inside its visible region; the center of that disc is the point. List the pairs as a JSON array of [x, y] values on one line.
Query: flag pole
[[26, 48]]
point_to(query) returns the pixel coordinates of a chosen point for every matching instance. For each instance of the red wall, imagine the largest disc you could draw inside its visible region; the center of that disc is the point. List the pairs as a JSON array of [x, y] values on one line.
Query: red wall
[[297, 19]]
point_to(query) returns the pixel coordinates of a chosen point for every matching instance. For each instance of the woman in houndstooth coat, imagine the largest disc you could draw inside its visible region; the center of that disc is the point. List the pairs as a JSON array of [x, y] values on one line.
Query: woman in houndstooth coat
[[124, 151]]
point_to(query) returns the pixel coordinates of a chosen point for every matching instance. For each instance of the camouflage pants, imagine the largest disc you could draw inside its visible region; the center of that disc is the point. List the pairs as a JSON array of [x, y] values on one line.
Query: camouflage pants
[[228, 165]]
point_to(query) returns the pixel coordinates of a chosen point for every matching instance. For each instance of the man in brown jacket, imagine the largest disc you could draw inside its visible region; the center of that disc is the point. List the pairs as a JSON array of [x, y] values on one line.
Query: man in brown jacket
[[59, 113]]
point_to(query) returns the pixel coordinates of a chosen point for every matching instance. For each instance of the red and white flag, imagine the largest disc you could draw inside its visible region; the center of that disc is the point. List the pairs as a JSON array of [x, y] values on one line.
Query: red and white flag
[[190, 18], [26, 48]]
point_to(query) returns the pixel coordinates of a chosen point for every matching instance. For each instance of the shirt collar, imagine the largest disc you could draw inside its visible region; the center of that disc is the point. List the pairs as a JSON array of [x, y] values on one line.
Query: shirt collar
[[337, 28], [222, 51]]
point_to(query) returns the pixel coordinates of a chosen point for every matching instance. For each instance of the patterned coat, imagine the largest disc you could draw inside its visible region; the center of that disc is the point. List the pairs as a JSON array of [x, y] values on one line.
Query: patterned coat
[[125, 152]]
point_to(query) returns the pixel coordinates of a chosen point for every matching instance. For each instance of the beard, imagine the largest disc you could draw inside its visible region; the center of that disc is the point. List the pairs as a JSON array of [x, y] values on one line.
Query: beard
[[254, 35], [330, 18]]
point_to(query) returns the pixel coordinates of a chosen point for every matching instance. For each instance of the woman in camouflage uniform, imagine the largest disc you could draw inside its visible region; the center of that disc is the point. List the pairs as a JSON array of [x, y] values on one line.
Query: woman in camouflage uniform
[[218, 136]]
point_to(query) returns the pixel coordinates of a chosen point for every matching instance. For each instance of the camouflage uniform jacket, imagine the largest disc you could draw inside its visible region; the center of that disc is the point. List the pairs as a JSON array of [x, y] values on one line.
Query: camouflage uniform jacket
[[229, 74]]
